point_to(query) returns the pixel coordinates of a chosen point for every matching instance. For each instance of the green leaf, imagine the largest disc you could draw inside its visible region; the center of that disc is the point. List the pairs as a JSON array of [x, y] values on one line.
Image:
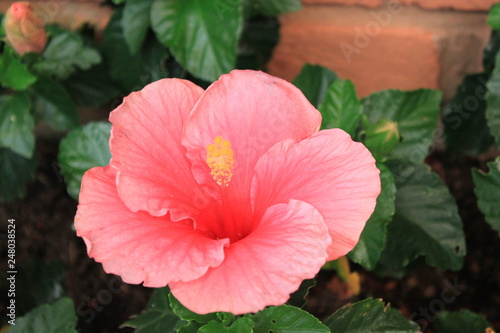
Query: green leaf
[[487, 190], [215, 327], [54, 318], [17, 124], [277, 7], [426, 223], [313, 81], [257, 42], [38, 282], [372, 240], [92, 88], [152, 57], [53, 105], [188, 315], [416, 113], [124, 68], [2, 26], [83, 148], [493, 101], [242, 325], [190, 327], [465, 127], [226, 317], [65, 53], [158, 316], [341, 107], [13, 73], [129, 72], [370, 315], [490, 52], [15, 171], [381, 138], [135, 23], [462, 321], [494, 16], [298, 298], [206, 46], [286, 319]]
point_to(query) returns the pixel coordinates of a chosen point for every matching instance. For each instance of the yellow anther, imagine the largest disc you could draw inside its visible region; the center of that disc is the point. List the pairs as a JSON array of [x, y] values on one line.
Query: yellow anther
[[220, 160]]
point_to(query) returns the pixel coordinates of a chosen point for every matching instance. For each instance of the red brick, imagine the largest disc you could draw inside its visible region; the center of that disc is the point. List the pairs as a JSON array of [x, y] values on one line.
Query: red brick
[[367, 3], [408, 49], [470, 5]]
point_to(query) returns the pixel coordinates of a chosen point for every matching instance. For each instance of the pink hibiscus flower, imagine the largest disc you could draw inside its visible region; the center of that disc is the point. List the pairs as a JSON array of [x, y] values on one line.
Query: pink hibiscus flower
[[24, 28], [230, 196]]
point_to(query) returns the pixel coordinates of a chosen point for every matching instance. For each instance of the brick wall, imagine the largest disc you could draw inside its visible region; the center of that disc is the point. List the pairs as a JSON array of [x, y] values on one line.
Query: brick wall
[[476, 5], [403, 44], [379, 44]]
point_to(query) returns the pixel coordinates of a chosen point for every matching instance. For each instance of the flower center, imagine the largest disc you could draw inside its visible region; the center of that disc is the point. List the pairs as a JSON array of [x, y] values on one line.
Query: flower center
[[220, 159]]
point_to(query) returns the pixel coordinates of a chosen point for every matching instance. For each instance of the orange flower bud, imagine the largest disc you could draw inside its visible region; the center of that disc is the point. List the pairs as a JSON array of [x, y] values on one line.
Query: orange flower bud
[[24, 29]]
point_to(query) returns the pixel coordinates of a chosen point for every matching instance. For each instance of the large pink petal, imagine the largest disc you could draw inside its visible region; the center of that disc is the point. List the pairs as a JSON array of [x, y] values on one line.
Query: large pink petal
[[254, 111], [289, 245], [137, 246], [154, 173], [329, 171]]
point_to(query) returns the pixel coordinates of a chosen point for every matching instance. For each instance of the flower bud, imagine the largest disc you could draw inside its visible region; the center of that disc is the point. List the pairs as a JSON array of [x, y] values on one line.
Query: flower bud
[[24, 29], [382, 137]]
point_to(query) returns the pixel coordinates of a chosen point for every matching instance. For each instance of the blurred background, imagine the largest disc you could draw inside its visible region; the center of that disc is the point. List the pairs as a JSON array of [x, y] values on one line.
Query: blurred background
[[400, 44]]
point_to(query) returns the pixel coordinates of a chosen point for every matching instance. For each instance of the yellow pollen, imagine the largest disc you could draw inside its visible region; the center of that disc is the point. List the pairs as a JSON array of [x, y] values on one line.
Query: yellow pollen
[[220, 159]]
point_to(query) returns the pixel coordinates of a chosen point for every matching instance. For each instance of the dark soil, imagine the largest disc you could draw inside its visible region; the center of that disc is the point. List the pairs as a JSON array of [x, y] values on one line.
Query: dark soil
[[44, 230], [44, 222]]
